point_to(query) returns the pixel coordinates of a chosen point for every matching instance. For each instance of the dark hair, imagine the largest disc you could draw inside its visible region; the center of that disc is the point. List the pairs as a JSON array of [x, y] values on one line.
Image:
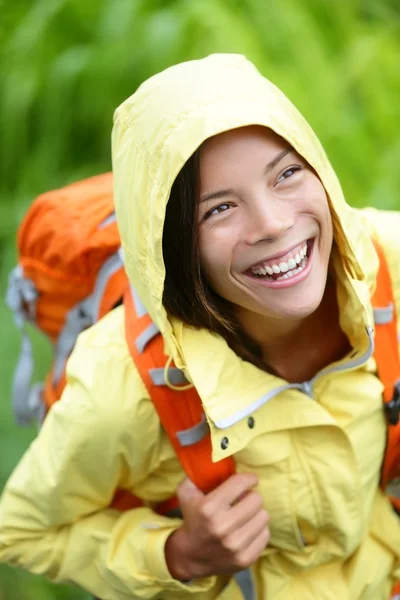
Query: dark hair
[[187, 294]]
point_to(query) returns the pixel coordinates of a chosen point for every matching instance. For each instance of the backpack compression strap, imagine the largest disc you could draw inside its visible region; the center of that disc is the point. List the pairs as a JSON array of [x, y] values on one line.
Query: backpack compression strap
[[85, 313], [21, 297], [179, 408], [388, 366]]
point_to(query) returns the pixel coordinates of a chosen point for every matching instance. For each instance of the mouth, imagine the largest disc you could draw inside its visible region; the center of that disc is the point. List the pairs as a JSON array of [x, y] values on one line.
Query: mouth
[[291, 266]]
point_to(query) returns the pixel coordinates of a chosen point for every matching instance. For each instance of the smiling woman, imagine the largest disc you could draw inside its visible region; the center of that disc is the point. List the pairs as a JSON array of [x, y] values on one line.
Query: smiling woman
[[262, 283]]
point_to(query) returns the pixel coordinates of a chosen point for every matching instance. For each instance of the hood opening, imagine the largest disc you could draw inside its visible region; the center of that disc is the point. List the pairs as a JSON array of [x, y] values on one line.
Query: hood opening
[[163, 123]]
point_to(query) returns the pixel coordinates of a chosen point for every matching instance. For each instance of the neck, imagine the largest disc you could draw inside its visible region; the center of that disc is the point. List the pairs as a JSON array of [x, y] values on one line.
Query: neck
[[285, 342]]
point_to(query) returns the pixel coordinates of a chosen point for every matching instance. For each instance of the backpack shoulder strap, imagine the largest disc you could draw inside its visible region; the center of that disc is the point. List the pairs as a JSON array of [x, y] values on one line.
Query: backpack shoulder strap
[[178, 405], [388, 366]]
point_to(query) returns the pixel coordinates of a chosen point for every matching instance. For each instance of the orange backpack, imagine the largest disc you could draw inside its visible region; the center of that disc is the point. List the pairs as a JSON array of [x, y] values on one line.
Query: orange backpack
[[70, 274]]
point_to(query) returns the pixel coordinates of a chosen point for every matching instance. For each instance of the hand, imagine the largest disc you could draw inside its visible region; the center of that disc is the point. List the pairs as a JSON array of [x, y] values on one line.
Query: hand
[[223, 532]]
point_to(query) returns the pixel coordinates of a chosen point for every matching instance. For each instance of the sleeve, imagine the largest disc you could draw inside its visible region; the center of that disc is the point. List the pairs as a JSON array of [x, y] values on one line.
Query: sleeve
[[55, 518]]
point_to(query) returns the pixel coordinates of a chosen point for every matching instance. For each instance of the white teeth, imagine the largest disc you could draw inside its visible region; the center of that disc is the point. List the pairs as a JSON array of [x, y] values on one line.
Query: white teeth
[[295, 271], [287, 275], [283, 267], [288, 268]]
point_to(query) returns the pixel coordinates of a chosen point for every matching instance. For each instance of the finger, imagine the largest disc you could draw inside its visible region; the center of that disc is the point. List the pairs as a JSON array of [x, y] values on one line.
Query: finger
[[244, 510], [243, 537], [188, 494], [232, 489], [252, 551], [187, 487]]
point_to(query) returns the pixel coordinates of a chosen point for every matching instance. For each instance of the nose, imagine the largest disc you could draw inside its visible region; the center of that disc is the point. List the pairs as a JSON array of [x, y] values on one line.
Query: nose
[[268, 219]]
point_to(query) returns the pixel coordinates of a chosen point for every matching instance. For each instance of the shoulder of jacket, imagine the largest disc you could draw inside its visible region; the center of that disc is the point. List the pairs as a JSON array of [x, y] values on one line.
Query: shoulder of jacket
[[384, 226], [108, 403], [102, 366]]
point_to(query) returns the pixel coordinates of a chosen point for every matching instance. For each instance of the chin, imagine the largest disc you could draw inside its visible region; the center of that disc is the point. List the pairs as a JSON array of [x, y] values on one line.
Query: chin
[[293, 310]]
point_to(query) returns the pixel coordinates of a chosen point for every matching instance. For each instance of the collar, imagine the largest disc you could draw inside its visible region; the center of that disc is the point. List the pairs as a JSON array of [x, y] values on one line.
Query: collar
[[231, 389]]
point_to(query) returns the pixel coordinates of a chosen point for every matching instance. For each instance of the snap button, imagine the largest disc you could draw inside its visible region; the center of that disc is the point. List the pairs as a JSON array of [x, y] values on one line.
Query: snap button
[[250, 422], [224, 443]]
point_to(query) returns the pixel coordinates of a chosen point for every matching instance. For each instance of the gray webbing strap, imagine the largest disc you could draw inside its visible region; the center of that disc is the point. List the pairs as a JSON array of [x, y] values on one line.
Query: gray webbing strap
[[188, 437], [35, 402], [245, 581], [107, 270], [108, 220], [383, 315], [157, 375], [21, 383], [144, 338], [83, 315], [77, 320], [21, 296], [175, 376], [139, 306]]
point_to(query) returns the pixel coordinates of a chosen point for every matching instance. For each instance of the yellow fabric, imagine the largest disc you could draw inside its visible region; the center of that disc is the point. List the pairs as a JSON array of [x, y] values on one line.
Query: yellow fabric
[[334, 535]]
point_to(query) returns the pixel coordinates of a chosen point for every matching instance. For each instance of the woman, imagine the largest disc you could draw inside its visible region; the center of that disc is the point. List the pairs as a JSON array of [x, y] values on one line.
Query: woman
[[259, 276]]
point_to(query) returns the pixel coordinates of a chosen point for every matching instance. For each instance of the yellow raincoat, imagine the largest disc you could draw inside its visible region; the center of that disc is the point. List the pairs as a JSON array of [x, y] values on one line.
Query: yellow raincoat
[[317, 449]]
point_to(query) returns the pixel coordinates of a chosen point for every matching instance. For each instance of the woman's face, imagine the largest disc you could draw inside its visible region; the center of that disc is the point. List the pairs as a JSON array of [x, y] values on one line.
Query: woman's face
[[265, 229]]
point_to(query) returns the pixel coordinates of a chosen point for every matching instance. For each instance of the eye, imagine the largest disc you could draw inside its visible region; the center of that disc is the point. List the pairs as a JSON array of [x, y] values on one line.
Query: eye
[[217, 210], [288, 173]]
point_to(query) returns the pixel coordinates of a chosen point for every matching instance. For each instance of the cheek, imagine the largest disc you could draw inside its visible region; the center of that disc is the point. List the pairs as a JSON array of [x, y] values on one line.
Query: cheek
[[327, 222], [319, 205], [215, 257], [326, 230]]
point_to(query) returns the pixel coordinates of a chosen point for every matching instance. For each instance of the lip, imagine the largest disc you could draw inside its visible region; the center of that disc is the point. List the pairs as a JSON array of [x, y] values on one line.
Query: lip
[[286, 283], [260, 263]]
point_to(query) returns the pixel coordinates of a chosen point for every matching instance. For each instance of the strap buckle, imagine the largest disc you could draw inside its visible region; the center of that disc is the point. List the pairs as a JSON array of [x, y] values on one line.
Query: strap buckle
[[392, 408]]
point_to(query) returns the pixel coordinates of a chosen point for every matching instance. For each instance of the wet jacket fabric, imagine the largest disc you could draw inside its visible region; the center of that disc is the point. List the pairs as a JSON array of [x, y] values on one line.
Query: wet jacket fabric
[[317, 448]]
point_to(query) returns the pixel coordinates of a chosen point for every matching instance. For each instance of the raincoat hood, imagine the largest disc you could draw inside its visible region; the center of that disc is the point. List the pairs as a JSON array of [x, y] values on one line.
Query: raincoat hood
[[159, 127]]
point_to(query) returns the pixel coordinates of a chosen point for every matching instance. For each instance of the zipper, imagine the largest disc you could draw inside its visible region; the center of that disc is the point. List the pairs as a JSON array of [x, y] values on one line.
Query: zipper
[[306, 387]]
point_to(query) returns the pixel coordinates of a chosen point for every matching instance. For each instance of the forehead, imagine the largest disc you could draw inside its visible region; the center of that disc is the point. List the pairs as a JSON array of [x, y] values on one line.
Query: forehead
[[239, 147], [237, 142]]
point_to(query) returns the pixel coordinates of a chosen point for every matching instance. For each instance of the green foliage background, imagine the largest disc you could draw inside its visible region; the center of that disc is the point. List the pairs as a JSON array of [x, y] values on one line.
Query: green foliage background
[[66, 64]]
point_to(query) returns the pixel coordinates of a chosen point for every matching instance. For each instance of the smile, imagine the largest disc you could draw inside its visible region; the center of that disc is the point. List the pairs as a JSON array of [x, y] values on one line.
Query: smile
[[293, 266]]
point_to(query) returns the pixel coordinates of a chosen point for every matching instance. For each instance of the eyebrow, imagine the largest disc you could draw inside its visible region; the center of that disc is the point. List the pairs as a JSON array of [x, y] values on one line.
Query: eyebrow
[[277, 159], [229, 192]]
